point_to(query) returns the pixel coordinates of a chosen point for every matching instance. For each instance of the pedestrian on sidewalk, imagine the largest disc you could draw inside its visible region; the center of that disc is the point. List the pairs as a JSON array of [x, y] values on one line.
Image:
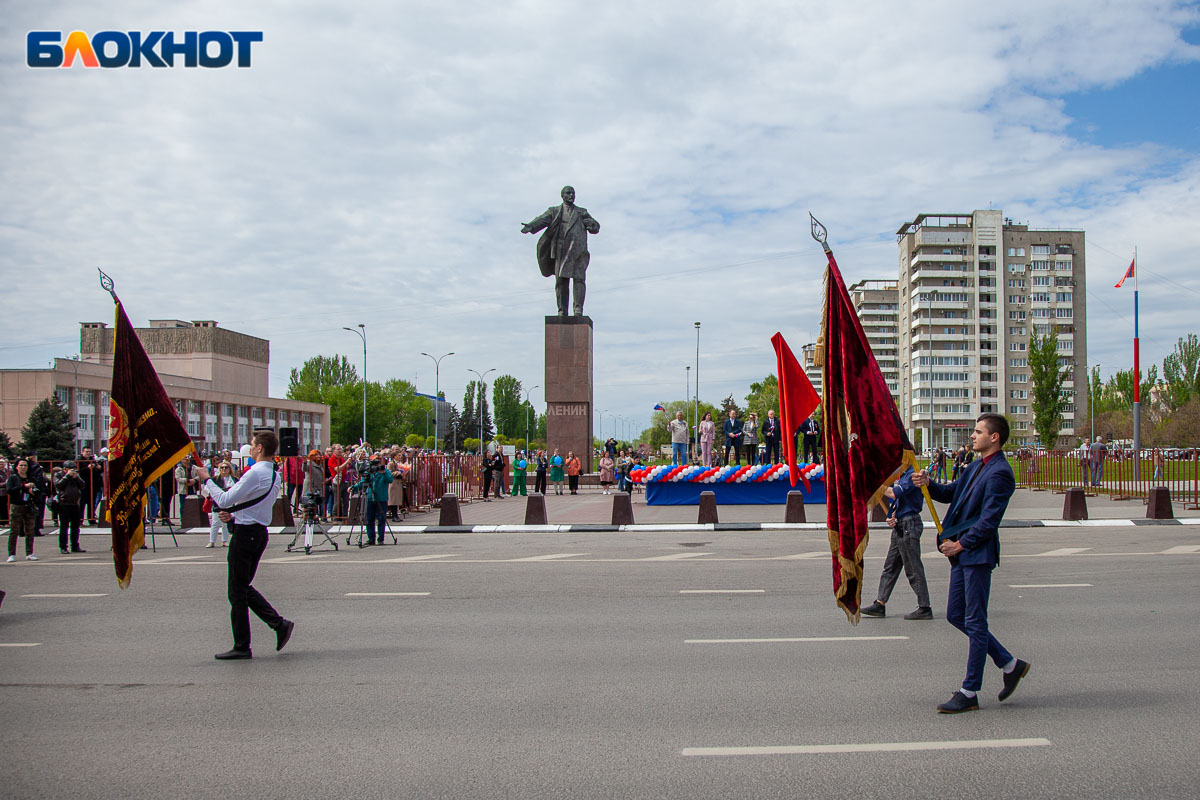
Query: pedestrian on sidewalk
[[574, 467], [519, 465], [556, 471], [607, 472], [22, 488], [71, 490], [971, 540], [543, 466]]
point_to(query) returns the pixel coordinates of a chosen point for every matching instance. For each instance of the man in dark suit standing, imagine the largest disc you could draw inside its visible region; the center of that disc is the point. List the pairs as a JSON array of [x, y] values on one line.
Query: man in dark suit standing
[[772, 436], [971, 540], [733, 437], [811, 432]]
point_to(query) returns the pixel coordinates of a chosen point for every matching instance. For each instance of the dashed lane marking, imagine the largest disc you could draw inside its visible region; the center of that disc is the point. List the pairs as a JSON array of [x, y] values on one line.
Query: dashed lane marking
[[1183, 548], [796, 639], [674, 557], [1064, 551], [803, 556], [45, 596], [1046, 585], [723, 591], [550, 557], [876, 747], [20, 644], [414, 559], [388, 594]]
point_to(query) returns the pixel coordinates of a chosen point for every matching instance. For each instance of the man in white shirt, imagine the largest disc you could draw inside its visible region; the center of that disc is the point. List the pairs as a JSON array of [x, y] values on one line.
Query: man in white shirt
[[247, 507], [679, 439]]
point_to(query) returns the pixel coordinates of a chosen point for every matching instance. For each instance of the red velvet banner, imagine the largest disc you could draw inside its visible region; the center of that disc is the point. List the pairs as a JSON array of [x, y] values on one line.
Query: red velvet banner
[[864, 437], [797, 399]]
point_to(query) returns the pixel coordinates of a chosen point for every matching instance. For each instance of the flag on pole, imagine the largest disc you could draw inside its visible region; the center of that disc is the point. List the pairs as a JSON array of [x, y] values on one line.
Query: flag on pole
[[659, 407], [865, 441], [145, 440], [1128, 274], [797, 399]]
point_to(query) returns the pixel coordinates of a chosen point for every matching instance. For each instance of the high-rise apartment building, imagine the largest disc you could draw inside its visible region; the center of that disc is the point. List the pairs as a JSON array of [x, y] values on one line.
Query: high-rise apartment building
[[972, 288], [878, 306]]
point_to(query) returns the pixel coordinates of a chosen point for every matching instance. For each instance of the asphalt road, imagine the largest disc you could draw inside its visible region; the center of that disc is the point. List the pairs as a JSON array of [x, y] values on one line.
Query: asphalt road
[[591, 673]]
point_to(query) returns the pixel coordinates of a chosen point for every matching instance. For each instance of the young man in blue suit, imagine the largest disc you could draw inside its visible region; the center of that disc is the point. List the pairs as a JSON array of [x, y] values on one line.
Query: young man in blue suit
[[971, 540]]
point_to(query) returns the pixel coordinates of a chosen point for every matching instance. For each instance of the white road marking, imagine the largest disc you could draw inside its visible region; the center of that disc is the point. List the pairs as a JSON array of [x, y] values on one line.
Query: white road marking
[[795, 639], [1046, 585], [413, 559], [1183, 548], [1064, 551], [19, 644], [799, 556], [674, 557], [387, 594], [172, 559], [878, 747], [722, 591], [295, 557], [550, 557], [104, 594]]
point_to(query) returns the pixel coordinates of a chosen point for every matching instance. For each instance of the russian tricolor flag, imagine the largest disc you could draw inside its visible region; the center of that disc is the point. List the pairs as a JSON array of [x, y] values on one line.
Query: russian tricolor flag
[[1128, 274], [659, 407]]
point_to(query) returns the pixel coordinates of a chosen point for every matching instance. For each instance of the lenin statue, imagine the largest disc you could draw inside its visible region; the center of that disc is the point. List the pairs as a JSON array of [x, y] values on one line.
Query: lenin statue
[[562, 250]]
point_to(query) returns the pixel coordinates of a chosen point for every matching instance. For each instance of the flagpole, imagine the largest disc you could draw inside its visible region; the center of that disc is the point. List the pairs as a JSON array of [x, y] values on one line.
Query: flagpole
[[1137, 380]]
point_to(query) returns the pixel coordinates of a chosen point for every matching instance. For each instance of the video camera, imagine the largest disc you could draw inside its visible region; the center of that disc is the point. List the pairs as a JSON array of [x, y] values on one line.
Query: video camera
[[309, 503]]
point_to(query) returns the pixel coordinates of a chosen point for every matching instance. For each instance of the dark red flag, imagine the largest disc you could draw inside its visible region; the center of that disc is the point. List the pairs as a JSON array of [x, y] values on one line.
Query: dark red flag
[[864, 437], [145, 439], [797, 399]]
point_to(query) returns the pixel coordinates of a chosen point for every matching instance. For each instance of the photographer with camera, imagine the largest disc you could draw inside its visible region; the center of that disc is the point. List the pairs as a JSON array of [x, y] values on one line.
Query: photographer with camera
[[373, 484], [71, 492], [224, 480], [313, 483]]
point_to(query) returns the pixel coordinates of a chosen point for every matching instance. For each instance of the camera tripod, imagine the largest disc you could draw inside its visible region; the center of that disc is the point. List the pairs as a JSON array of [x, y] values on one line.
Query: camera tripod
[[309, 526], [358, 517]]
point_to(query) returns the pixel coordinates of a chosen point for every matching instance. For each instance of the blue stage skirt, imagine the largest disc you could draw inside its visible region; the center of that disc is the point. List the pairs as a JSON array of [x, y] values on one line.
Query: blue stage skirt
[[685, 493]]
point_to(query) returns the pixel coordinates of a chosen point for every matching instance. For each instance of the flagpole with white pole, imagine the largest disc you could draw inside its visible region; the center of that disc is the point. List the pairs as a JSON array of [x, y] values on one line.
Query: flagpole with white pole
[[1137, 380]]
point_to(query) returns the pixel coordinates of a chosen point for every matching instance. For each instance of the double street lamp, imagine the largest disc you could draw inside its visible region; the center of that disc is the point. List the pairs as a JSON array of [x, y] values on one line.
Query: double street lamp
[[362, 332], [527, 393], [479, 407], [437, 392]]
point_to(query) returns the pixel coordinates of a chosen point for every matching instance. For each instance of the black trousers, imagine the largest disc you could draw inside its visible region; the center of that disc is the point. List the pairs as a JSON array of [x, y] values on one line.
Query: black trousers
[[69, 520], [245, 549], [539, 483], [810, 450], [573, 482], [737, 454], [772, 454]]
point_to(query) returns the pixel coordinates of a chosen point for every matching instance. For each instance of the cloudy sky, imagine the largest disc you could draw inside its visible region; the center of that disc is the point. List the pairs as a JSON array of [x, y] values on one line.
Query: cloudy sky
[[376, 162]]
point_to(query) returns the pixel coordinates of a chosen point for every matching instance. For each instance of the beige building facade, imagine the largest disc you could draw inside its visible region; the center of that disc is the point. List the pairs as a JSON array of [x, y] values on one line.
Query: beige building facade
[[878, 305], [972, 288], [217, 379]]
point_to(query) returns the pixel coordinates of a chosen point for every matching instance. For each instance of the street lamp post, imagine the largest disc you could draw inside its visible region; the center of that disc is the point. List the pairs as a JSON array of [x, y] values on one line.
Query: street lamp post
[[479, 407], [687, 372], [362, 332], [696, 397], [528, 392], [437, 392]]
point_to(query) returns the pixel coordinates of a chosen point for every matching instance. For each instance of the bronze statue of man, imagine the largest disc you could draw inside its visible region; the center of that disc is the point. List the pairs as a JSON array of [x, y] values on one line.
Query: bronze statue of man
[[562, 250]]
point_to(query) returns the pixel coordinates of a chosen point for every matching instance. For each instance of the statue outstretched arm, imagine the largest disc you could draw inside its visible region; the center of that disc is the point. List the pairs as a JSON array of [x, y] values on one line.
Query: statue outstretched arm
[[539, 222]]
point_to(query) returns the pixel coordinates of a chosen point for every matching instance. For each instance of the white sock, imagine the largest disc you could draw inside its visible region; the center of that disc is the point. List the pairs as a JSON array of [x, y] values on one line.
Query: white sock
[[1010, 666], [967, 693]]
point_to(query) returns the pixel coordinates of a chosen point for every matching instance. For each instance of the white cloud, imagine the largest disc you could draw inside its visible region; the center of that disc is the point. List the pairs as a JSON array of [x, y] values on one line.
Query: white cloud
[[377, 161]]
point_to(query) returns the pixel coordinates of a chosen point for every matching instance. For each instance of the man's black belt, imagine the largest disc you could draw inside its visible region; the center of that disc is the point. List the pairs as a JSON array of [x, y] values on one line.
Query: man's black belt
[[249, 526]]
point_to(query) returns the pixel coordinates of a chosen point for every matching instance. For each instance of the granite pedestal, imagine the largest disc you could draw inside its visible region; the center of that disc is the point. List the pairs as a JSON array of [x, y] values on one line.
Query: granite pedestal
[[568, 387]]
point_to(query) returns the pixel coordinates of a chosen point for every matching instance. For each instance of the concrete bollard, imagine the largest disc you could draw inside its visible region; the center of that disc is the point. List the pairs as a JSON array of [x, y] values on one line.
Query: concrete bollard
[[192, 515], [795, 508], [1075, 504], [281, 514], [622, 509], [878, 514], [1158, 505], [708, 508], [450, 515], [535, 510]]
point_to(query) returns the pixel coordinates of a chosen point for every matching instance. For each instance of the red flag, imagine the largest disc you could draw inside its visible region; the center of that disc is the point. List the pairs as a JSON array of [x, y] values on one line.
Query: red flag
[[145, 439], [797, 399], [864, 437], [1128, 274]]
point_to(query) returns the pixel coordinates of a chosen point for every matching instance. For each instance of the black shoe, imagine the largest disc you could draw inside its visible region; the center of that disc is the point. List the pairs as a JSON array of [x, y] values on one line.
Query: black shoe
[[1011, 679], [876, 609], [78, 550], [283, 633], [231, 655], [922, 612], [958, 704], [63, 550]]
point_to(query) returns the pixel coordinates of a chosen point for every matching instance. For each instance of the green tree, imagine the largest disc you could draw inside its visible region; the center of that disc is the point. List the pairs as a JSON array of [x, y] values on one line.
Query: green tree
[[318, 375], [507, 406], [414, 440], [1048, 398], [764, 396], [475, 404], [49, 432], [657, 435], [1181, 371], [6, 446]]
